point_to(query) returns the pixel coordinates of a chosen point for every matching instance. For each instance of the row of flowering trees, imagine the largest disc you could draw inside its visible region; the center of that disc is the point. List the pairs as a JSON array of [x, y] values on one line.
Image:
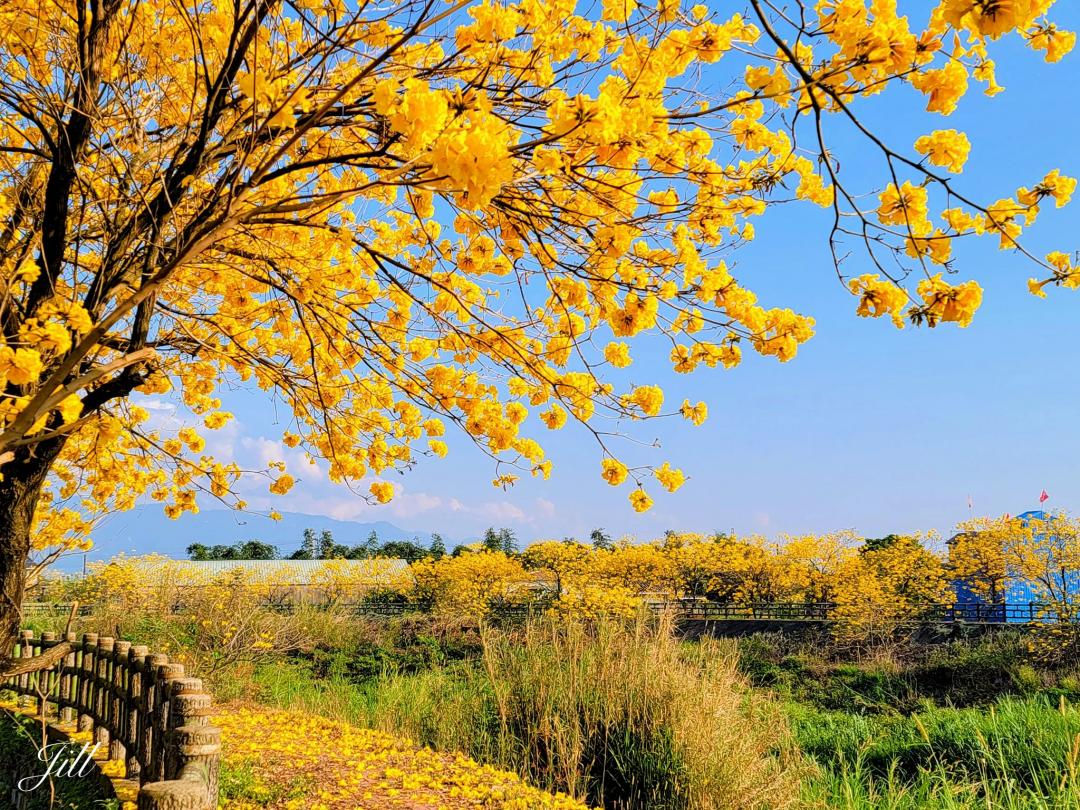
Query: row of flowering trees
[[872, 585]]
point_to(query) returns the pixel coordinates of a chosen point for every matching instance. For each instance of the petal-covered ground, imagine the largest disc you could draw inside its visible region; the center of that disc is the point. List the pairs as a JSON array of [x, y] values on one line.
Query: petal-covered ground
[[288, 760]]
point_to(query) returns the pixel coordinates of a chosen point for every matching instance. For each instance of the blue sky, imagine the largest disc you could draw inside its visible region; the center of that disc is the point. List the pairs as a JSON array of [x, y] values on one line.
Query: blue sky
[[869, 427]]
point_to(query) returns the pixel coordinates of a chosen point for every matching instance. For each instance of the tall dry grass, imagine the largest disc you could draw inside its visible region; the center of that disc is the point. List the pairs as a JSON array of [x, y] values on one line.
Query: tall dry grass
[[624, 714], [621, 715]]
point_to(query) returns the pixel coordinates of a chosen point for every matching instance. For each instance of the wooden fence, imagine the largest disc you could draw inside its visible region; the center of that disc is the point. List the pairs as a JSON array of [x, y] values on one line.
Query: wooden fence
[[138, 706]]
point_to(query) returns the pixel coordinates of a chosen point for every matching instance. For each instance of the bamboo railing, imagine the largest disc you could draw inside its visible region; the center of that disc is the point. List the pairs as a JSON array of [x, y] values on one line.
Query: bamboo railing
[[138, 706]]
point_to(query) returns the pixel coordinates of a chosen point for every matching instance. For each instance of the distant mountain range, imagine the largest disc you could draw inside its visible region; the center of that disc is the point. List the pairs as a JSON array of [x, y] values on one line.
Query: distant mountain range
[[146, 530]]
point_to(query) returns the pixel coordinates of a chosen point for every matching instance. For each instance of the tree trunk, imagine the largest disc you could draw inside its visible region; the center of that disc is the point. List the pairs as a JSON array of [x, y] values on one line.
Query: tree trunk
[[20, 489]]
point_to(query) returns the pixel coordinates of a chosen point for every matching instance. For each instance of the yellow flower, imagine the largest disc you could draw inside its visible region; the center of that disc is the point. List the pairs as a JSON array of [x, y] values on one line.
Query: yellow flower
[[990, 18], [649, 398], [554, 417], [944, 302], [70, 408], [695, 413], [613, 471], [945, 86], [282, 484], [217, 420], [382, 490], [28, 271], [618, 354], [669, 478], [192, 439], [618, 10], [21, 366], [906, 207], [945, 147], [640, 501], [1053, 40]]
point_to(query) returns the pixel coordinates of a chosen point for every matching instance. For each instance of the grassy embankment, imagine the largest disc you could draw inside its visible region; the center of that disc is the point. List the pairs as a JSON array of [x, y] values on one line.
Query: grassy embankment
[[965, 725], [634, 719]]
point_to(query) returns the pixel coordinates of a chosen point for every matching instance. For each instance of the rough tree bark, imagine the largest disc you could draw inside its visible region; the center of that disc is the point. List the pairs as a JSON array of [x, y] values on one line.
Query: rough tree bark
[[20, 489]]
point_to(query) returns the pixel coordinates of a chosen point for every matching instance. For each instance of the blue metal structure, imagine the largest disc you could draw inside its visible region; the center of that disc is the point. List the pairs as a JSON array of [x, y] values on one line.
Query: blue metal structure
[[1018, 592]]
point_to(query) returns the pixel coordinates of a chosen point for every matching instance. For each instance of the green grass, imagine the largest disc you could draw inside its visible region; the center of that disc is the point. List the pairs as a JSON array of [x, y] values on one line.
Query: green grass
[[1018, 753], [238, 782], [970, 723]]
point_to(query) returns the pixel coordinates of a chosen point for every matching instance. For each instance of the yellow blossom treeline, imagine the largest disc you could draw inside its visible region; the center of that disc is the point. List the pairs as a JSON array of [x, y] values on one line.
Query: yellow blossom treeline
[[870, 586]]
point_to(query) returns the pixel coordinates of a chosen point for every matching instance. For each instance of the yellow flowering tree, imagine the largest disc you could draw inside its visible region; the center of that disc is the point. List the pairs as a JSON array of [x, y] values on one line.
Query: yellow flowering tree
[[636, 568], [819, 560], [978, 555], [882, 587], [394, 217], [560, 561], [1045, 554], [470, 583], [1039, 557]]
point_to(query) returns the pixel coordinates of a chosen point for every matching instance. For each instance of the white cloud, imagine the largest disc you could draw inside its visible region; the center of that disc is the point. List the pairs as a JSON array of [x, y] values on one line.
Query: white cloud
[[545, 507]]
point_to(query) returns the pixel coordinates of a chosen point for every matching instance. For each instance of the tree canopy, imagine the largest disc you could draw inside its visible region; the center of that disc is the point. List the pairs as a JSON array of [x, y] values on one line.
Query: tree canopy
[[397, 217]]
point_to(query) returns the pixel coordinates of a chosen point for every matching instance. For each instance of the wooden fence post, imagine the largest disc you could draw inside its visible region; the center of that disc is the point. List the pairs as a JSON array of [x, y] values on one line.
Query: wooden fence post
[[26, 650], [102, 701], [172, 796], [120, 697], [136, 708], [149, 726], [86, 680], [46, 679], [165, 674], [69, 683]]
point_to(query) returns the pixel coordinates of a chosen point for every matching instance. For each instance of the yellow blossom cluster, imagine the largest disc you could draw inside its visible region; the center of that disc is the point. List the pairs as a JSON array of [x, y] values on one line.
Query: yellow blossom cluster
[[470, 582], [319, 764]]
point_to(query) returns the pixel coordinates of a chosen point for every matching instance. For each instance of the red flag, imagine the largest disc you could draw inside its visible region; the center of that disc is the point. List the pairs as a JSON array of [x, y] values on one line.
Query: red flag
[[1044, 497]]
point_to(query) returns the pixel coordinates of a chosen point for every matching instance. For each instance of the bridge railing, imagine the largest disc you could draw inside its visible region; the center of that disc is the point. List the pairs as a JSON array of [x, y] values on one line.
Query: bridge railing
[[696, 609], [948, 613], [138, 706]]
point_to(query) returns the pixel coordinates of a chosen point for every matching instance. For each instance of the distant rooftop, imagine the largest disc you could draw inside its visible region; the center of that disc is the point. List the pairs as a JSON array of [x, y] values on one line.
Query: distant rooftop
[[284, 572]]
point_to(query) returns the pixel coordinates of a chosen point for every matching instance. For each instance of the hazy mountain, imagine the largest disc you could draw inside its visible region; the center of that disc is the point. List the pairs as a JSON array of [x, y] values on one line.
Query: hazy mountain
[[146, 530]]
